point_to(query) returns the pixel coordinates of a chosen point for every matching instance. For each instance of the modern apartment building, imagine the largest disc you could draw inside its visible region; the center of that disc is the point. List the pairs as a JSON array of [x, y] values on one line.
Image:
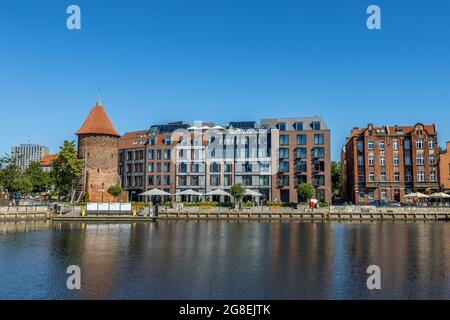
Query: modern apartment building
[[385, 163], [303, 154], [272, 157], [145, 159], [26, 153], [444, 168]]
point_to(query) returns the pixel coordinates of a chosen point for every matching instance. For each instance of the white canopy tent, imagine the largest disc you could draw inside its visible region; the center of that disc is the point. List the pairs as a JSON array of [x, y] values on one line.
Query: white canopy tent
[[189, 193], [155, 192], [416, 195], [218, 192], [442, 197]]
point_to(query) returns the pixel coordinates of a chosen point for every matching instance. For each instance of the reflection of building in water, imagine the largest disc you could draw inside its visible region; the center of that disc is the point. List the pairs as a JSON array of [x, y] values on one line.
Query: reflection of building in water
[[24, 226]]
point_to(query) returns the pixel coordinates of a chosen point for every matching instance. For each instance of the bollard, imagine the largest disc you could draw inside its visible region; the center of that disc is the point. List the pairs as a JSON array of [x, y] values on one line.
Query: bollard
[[134, 212], [83, 212]]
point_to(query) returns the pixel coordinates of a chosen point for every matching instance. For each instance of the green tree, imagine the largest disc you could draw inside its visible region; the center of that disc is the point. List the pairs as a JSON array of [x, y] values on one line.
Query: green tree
[[21, 185], [238, 192], [40, 179], [9, 173], [336, 178], [66, 169], [115, 190], [305, 192]]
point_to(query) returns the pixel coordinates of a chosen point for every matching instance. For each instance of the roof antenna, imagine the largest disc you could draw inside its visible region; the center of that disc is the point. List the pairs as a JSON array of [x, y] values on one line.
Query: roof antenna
[[29, 139], [98, 100]]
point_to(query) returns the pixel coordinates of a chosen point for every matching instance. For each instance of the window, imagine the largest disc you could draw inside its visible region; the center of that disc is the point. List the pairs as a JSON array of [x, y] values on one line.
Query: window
[[151, 167], [152, 141], [381, 144], [370, 195], [360, 145], [371, 160], [371, 177], [227, 167], [247, 180], [397, 176], [360, 161], [195, 180], [298, 126], [183, 167], [166, 154], [362, 195], [264, 166], [183, 181], [421, 176], [151, 180], [151, 154], [407, 160], [284, 166], [419, 144], [431, 144], [195, 168], [158, 180], [433, 176], [284, 180], [166, 180], [407, 144], [395, 144], [420, 160], [370, 144], [301, 166], [284, 140], [167, 141], [432, 160], [396, 161], [284, 153], [214, 167], [319, 139], [227, 179], [319, 180], [301, 139], [408, 176], [319, 152], [361, 177], [315, 125], [383, 177], [383, 194], [158, 167], [167, 167], [264, 180], [282, 126], [319, 166], [214, 179], [300, 153], [382, 161]]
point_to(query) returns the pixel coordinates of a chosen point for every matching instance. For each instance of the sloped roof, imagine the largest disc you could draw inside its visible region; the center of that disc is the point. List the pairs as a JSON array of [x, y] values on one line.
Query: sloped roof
[[97, 122], [46, 160]]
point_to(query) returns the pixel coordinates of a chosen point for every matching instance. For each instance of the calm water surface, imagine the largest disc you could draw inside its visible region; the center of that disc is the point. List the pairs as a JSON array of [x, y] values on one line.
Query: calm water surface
[[224, 260]]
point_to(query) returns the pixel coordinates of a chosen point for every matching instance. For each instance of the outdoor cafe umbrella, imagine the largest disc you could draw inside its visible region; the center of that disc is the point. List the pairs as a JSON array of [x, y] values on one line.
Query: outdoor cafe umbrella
[[417, 195], [252, 193], [155, 192], [218, 192], [440, 195], [189, 192]]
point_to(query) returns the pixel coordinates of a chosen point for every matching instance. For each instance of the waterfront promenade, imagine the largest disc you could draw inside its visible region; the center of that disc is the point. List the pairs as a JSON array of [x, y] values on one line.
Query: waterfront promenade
[[335, 213]]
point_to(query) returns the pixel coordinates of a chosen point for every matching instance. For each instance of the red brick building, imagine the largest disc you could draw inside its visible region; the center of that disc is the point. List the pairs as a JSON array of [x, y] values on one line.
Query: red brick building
[[386, 163], [98, 150], [444, 168]]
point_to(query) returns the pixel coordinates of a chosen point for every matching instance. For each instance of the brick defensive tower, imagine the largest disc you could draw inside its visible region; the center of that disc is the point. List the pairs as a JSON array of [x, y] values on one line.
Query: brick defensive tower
[[98, 151]]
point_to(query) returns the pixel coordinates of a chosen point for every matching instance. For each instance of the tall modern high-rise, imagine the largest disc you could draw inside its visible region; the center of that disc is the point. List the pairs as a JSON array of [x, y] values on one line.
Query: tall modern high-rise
[[24, 154]]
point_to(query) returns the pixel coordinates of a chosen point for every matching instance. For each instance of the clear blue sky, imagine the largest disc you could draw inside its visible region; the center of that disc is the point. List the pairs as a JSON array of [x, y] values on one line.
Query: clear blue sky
[[221, 60]]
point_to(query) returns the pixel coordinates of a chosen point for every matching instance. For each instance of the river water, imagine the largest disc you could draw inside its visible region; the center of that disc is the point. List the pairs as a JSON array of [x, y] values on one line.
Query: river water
[[225, 260]]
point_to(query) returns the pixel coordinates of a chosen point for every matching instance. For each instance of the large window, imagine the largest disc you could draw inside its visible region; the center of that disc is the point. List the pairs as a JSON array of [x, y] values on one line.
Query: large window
[[371, 160], [395, 144], [284, 166], [195, 180], [214, 179], [183, 167], [302, 166], [300, 153], [264, 180], [319, 152], [319, 180], [419, 144], [319, 166], [301, 139], [421, 176], [214, 167], [431, 144], [381, 144], [283, 180], [370, 144], [319, 139], [420, 160], [284, 140], [284, 153], [298, 126]]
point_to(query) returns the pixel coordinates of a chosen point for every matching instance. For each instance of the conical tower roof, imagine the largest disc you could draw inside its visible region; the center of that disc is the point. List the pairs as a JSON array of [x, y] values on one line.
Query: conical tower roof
[[98, 122]]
